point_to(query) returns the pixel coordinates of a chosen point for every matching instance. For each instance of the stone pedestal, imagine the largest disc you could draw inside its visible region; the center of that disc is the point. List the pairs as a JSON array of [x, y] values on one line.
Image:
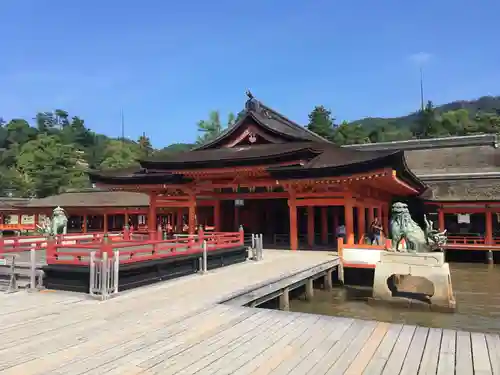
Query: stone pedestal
[[430, 266]]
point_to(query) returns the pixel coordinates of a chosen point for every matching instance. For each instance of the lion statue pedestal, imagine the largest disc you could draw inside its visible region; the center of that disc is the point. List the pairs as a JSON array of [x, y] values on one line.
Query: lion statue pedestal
[[430, 266], [421, 257]]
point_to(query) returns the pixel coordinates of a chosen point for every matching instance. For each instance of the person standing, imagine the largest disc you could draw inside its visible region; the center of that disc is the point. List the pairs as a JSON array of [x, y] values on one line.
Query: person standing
[[376, 231]]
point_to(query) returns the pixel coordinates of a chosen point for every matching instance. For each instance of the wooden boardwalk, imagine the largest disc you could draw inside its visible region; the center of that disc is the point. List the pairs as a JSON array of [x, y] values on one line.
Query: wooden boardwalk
[[177, 327]]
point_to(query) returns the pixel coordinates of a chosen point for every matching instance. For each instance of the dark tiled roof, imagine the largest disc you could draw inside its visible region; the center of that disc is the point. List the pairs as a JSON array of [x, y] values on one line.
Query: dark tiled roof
[[463, 190], [430, 143], [454, 160], [92, 199], [9, 203], [270, 120], [476, 153]]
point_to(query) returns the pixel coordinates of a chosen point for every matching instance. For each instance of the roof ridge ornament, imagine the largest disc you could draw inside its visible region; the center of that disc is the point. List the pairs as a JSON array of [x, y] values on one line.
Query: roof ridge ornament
[[252, 104]]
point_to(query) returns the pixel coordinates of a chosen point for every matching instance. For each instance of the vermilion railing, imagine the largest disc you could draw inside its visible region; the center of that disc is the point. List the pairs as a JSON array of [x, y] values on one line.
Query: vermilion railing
[[131, 251], [471, 240], [26, 243]]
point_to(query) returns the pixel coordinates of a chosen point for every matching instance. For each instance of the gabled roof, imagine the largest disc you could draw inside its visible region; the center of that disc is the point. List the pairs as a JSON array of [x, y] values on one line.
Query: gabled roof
[[269, 119]]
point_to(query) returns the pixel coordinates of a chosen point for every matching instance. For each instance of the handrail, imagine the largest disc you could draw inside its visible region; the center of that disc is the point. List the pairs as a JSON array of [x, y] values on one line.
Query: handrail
[[134, 251]]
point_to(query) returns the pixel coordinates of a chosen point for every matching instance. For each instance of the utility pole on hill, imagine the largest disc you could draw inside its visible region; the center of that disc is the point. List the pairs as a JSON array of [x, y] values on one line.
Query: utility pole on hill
[[123, 127], [421, 88]]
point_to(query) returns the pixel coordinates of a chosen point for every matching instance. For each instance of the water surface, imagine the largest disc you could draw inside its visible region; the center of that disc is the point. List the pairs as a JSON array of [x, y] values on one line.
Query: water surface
[[476, 288]]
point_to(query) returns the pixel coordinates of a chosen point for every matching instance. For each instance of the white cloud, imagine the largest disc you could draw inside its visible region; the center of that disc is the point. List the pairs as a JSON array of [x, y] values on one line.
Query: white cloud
[[421, 58]]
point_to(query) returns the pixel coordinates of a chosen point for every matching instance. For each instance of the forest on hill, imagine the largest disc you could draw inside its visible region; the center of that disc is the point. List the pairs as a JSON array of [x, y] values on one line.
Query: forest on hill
[[51, 153]]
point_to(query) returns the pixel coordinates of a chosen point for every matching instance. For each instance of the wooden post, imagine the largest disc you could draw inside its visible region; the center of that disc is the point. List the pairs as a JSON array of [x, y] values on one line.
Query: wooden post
[[84, 224], [385, 222], [105, 223], [242, 235], [236, 216], [489, 228], [361, 223], [125, 218], [349, 222], [201, 235], [285, 300], [126, 233], [310, 226], [324, 225], [217, 216], [328, 282], [180, 222], [294, 235], [371, 215], [51, 250], [192, 216], [441, 224], [152, 216], [309, 289], [335, 224]]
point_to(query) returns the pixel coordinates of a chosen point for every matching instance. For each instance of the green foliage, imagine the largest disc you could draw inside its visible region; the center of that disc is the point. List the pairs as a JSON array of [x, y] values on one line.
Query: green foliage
[[53, 154], [213, 127], [49, 166], [321, 122], [120, 154]]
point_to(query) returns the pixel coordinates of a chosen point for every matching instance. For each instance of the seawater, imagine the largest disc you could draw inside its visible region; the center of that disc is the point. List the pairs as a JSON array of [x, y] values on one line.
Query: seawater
[[476, 288]]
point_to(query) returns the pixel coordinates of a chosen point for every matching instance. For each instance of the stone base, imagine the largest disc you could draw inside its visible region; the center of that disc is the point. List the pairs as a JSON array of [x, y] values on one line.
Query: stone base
[[430, 266]]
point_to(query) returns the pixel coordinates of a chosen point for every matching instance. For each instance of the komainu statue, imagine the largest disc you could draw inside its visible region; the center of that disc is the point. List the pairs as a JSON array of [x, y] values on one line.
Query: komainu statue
[[55, 225], [403, 227]]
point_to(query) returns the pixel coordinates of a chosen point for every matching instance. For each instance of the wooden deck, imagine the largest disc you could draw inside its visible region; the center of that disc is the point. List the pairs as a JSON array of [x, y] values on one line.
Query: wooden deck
[[177, 327]]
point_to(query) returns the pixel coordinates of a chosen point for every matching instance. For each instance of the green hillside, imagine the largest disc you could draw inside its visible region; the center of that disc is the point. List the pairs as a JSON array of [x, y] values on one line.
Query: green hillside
[[486, 104]]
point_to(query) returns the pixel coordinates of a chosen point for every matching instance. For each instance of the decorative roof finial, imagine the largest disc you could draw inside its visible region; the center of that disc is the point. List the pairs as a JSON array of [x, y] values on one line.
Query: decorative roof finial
[[249, 94]]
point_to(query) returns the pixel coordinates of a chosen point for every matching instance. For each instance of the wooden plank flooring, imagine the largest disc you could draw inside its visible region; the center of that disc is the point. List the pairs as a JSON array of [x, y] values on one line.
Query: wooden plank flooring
[[177, 327]]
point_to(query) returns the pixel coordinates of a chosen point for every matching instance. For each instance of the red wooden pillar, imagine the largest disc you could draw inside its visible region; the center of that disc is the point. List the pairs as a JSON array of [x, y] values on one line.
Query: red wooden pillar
[[361, 222], [192, 215], [236, 217], [489, 228], [84, 223], [441, 224], [180, 222], [217, 216], [349, 222], [105, 223], [125, 219], [386, 215], [335, 224], [371, 215], [152, 216], [294, 234], [324, 225], [310, 225]]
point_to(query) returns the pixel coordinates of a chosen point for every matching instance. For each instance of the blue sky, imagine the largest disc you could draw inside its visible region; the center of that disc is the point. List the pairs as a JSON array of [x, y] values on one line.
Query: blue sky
[[169, 63]]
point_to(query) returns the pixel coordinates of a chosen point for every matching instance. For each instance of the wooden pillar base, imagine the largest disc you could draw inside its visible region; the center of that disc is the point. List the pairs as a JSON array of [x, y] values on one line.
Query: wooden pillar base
[[328, 281], [340, 272], [309, 289], [285, 300], [489, 257]]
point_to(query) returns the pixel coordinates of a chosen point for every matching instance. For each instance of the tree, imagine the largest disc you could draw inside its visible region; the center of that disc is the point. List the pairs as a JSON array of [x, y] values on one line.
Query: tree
[[346, 133], [321, 122], [50, 166], [427, 124], [213, 127], [488, 122], [120, 154], [145, 147]]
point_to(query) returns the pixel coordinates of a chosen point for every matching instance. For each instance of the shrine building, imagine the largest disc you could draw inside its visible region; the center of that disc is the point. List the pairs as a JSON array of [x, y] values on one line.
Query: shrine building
[[271, 175]]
